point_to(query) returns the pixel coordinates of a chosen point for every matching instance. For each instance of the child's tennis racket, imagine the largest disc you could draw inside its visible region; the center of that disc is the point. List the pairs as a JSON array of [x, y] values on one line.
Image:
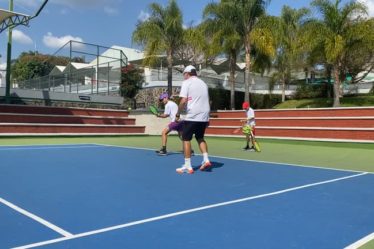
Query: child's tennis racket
[[257, 146], [255, 143], [249, 131], [237, 130], [153, 109]]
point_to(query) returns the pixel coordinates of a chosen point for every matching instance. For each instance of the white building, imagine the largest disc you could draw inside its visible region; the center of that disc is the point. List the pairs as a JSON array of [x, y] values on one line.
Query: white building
[[2, 78]]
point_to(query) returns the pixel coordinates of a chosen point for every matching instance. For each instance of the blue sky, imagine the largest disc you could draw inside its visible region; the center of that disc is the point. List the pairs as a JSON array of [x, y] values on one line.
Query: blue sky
[[103, 22]]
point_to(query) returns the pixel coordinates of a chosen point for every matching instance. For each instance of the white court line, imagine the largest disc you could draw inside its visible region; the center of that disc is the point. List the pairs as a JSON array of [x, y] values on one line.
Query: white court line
[[103, 230], [361, 242], [125, 147], [34, 147], [33, 216], [247, 160], [36, 218]]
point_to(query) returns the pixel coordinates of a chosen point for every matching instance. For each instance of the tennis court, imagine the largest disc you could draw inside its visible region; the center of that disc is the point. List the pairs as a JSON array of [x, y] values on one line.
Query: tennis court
[[108, 196]]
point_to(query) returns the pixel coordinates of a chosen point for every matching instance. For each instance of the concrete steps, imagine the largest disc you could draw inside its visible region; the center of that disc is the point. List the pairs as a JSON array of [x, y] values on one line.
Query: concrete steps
[[333, 124], [364, 122], [37, 120], [64, 119]]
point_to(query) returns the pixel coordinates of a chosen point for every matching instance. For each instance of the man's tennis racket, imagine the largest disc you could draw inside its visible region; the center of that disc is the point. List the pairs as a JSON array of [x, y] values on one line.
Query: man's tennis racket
[[153, 109]]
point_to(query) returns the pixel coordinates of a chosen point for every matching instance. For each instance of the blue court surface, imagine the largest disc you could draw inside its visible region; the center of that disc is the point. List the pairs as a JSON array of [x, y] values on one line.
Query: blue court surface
[[97, 196]]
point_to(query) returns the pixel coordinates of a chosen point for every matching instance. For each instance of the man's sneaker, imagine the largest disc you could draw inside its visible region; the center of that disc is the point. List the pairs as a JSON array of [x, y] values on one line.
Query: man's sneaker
[[246, 148], [161, 152], [205, 165], [184, 169], [252, 149]]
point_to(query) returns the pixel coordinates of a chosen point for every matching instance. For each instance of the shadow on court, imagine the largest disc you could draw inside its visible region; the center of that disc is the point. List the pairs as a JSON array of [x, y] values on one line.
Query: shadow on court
[[215, 165]]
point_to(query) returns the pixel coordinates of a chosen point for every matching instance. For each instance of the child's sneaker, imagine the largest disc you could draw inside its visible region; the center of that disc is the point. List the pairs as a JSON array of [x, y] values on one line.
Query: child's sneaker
[[205, 165], [184, 169], [246, 148], [252, 149]]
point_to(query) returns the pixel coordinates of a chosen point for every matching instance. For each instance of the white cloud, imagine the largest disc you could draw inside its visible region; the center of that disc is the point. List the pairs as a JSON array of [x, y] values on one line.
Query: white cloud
[[57, 42], [143, 16], [3, 66], [370, 5], [20, 37]]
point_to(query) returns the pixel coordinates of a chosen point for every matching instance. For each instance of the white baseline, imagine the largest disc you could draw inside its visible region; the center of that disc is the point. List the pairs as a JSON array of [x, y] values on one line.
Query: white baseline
[[61, 146], [361, 242]]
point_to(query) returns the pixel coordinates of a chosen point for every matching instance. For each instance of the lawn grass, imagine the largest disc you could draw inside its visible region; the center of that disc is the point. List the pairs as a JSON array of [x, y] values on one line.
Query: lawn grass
[[367, 100], [369, 245], [348, 156]]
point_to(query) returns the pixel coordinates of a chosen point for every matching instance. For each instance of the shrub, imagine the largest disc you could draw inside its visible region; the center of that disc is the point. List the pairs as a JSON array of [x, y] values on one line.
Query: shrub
[[307, 91], [220, 99]]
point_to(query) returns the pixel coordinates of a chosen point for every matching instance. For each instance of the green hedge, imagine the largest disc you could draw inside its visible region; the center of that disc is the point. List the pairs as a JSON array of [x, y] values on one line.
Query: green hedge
[[220, 100], [307, 91]]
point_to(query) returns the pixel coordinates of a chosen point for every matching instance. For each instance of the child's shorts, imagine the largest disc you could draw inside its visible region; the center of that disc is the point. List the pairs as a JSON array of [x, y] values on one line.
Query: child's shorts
[[175, 126]]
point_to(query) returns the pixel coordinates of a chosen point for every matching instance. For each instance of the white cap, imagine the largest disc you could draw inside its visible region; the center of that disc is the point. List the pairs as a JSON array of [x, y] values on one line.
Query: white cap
[[189, 68]]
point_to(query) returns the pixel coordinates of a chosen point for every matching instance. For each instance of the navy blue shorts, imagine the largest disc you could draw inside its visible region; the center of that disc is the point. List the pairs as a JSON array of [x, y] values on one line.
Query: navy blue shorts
[[191, 128]]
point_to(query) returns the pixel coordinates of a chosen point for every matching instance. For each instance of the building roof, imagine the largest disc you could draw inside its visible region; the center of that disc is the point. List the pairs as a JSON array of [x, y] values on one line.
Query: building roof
[[131, 53], [57, 70], [78, 65]]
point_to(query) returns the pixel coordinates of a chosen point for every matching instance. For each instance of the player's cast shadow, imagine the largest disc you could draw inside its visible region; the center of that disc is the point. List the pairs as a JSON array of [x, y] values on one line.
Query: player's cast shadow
[[215, 165]]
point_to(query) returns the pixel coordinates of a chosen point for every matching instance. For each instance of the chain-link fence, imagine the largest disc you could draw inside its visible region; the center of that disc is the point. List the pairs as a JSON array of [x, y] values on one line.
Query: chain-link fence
[[92, 69]]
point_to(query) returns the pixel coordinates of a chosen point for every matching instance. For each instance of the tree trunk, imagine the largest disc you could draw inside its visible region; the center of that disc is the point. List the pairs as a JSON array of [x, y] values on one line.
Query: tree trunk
[[329, 88], [247, 70], [283, 89], [336, 87], [170, 73], [232, 65]]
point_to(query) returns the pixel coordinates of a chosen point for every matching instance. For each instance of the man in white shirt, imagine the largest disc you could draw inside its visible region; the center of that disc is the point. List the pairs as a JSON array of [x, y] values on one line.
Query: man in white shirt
[[171, 109], [195, 97]]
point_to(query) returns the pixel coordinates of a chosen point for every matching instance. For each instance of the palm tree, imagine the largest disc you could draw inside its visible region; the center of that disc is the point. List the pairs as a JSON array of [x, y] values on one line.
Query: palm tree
[[218, 24], [162, 33], [247, 14], [333, 34], [198, 47], [288, 50]]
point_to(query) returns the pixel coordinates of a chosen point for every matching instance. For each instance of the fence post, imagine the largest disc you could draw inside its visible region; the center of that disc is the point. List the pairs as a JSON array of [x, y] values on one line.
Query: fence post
[[108, 77]]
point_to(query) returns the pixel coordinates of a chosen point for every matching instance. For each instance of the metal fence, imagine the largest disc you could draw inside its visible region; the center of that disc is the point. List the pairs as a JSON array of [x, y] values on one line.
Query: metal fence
[[104, 79], [92, 69]]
